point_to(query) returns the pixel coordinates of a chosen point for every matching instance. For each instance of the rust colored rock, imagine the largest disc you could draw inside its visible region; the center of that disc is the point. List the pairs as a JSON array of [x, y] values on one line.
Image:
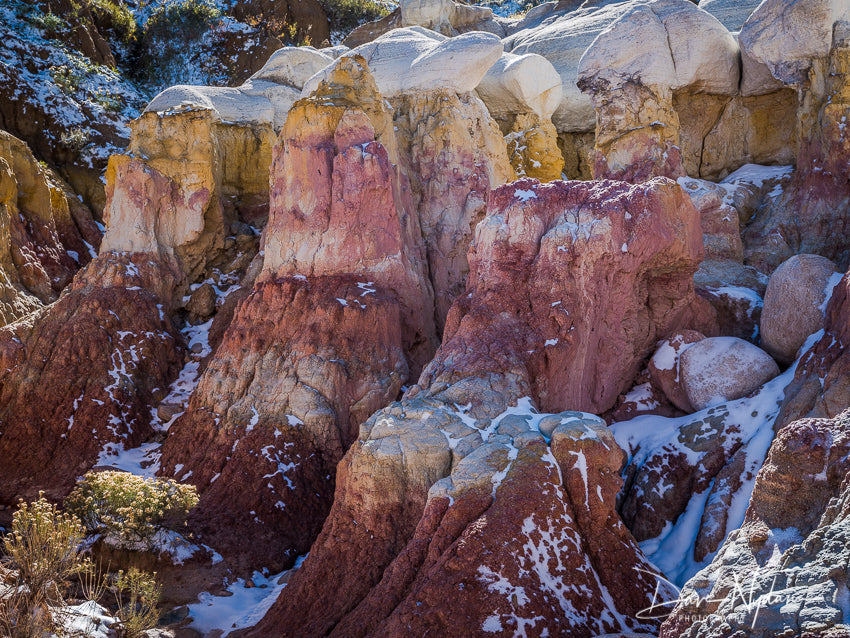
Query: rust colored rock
[[82, 374], [664, 366], [41, 245], [436, 483], [340, 314], [533, 148], [566, 237]]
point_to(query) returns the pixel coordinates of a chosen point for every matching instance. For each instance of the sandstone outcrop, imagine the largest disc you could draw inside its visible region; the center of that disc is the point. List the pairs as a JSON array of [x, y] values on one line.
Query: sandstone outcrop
[[806, 46], [341, 312], [735, 292], [720, 369], [43, 233], [448, 145], [790, 556], [431, 482], [631, 70], [106, 349], [731, 13], [794, 304]]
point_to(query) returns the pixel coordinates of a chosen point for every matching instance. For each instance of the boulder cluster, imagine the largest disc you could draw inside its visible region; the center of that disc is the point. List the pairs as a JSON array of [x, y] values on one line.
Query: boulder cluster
[[510, 324]]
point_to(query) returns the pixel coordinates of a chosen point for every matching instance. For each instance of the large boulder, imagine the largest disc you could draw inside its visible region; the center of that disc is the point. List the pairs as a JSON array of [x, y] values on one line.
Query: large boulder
[[794, 304], [721, 369], [413, 60]]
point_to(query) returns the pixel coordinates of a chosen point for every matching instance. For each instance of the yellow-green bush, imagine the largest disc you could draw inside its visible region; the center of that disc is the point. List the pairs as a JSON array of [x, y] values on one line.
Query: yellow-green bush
[[130, 509], [136, 594], [42, 552]]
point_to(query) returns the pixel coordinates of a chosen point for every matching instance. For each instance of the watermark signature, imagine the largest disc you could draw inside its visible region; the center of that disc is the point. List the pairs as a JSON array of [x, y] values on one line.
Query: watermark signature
[[748, 590]]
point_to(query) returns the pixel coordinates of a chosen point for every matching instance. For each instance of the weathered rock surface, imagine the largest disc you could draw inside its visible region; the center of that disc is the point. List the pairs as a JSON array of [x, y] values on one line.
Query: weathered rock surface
[[43, 234], [520, 84], [184, 179], [691, 477], [794, 304], [630, 71], [720, 369], [106, 350], [731, 13], [811, 214], [820, 387], [790, 555], [664, 367], [735, 292], [326, 337], [432, 486], [414, 59]]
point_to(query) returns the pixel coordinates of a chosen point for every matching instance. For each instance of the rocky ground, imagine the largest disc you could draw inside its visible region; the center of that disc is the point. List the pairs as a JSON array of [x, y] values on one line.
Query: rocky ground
[[461, 321]]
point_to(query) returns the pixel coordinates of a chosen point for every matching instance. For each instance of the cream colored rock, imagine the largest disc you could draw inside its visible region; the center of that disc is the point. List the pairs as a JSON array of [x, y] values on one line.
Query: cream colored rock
[[521, 84], [444, 16], [228, 104], [281, 96], [562, 38], [731, 13], [794, 304], [720, 369], [786, 35], [293, 66], [655, 44], [406, 60]]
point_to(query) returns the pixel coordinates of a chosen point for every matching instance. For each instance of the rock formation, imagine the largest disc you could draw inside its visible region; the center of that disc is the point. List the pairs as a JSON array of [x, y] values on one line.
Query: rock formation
[[784, 572], [631, 71], [347, 314], [806, 45], [44, 233], [420, 495]]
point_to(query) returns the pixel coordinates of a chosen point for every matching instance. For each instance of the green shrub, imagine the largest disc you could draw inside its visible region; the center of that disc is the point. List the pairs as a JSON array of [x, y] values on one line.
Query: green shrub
[[186, 20], [49, 22], [66, 78], [42, 552], [114, 16], [345, 15], [75, 139], [130, 509], [136, 594]]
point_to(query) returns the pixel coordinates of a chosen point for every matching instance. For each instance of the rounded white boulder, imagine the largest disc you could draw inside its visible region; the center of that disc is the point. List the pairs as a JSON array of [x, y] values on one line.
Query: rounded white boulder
[[720, 369], [521, 84]]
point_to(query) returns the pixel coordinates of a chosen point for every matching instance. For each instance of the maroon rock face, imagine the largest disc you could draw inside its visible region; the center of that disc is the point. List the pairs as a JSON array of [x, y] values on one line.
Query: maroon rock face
[[451, 501], [340, 314], [301, 365], [82, 373], [583, 277], [664, 367]]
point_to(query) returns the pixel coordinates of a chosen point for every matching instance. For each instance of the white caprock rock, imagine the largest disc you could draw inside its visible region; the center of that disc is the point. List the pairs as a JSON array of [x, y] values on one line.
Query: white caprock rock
[[441, 15], [794, 303], [667, 43], [732, 13], [521, 84], [562, 38], [720, 369], [412, 60], [265, 97], [786, 35], [293, 66], [231, 105]]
